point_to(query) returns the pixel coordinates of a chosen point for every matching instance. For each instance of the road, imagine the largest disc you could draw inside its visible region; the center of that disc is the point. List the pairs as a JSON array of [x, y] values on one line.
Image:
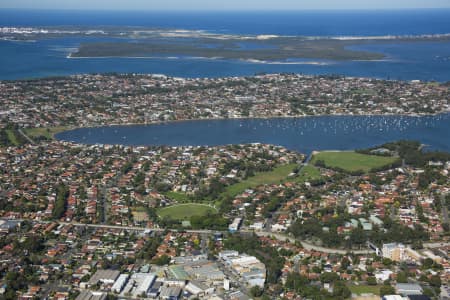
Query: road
[[132, 228], [278, 236], [26, 137], [309, 246]]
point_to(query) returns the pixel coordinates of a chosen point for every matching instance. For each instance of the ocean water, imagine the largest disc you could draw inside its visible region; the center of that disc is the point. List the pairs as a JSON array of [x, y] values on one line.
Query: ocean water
[[301, 134], [415, 60], [308, 23], [406, 61]]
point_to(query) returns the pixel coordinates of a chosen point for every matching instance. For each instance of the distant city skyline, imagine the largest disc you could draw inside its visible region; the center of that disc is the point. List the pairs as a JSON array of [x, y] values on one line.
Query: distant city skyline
[[225, 5]]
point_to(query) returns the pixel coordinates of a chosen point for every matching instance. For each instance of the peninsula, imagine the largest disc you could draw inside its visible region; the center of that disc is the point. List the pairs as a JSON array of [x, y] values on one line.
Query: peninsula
[[107, 99], [113, 41]]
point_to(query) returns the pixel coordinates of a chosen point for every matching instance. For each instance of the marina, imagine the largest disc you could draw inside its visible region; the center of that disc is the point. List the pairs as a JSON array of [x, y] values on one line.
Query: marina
[[304, 134]]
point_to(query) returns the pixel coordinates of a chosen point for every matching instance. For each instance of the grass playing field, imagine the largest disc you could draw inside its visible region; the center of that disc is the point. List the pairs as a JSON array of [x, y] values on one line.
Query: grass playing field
[[365, 289], [352, 161], [275, 176], [12, 138], [47, 132], [185, 211], [308, 173], [180, 197]]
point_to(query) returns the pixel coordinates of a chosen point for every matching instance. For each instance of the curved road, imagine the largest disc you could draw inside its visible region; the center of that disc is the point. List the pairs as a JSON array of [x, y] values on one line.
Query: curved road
[[309, 246], [278, 236]]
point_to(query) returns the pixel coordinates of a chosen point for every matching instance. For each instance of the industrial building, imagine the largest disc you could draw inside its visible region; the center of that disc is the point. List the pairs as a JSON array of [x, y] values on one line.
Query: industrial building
[[120, 283], [248, 268]]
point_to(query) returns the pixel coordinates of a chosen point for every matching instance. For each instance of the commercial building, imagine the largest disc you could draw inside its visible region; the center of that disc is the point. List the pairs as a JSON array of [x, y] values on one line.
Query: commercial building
[[248, 268], [120, 283], [105, 277], [91, 295], [170, 293], [394, 251], [407, 289], [145, 282]]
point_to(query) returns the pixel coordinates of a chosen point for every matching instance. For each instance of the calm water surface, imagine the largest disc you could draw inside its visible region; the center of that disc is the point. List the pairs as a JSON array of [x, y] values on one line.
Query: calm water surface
[[301, 134], [406, 61]]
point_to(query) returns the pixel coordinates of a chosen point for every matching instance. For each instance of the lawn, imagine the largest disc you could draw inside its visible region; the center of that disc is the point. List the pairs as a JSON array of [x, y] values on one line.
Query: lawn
[[48, 132], [12, 138], [277, 175], [351, 161], [186, 211], [308, 173], [178, 196], [365, 289]]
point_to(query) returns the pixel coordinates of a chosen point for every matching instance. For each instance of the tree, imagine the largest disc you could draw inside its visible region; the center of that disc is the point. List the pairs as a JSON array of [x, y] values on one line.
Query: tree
[[162, 260], [387, 290], [62, 192], [427, 263], [307, 229], [210, 221], [256, 291], [417, 245], [295, 281], [387, 262], [358, 237], [435, 281], [345, 263], [341, 291], [329, 277], [402, 277], [371, 280]]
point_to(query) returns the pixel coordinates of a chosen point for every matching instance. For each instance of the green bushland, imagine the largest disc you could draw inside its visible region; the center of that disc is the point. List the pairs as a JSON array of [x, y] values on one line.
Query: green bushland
[[411, 152], [350, 161], [281, 48], [62, 192], [186, 211]]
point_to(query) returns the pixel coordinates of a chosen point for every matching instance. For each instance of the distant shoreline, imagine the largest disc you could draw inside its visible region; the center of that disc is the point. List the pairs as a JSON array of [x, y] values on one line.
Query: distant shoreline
[[255, 61], [273, 50]]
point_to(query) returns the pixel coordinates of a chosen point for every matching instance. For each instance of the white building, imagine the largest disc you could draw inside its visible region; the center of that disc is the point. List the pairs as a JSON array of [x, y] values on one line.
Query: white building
[[233, 227], [394, 251], [383, 275], [120, 283], [248, 268], [258, 226], [145, 282]]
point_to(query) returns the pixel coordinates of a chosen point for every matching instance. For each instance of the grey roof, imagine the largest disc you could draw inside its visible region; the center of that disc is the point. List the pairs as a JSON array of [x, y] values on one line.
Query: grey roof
[[238, 295], [102, 275], [170, 291], [88, 295], [408, 288]]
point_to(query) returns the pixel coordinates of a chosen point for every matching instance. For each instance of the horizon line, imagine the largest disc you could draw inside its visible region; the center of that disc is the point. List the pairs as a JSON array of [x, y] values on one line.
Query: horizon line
[[224, 10]]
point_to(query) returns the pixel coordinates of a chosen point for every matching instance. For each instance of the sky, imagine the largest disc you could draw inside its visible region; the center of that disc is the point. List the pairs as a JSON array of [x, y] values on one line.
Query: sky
[[222, 4]]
